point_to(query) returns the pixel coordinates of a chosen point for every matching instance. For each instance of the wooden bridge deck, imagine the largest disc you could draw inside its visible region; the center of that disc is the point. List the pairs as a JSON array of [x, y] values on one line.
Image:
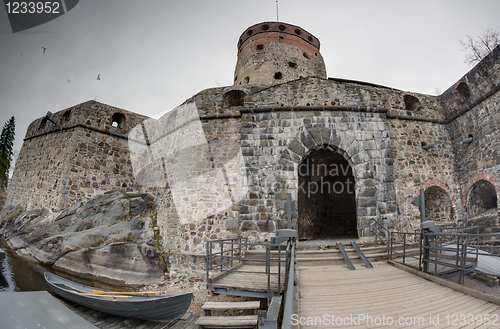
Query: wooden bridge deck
[[250, 278], [333, 290]]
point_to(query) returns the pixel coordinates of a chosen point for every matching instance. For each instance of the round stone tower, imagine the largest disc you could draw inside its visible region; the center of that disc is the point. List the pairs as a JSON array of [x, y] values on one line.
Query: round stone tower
[[275, 52]]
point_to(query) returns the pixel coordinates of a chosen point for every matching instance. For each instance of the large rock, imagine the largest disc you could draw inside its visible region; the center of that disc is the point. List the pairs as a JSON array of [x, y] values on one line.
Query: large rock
[[110, 237], [128, 263]]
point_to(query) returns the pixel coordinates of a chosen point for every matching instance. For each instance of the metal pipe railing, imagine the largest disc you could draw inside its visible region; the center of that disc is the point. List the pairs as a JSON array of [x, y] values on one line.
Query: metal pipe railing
[[437, 247], [289, 304], [388, 244], [456, 246], [220, 256]]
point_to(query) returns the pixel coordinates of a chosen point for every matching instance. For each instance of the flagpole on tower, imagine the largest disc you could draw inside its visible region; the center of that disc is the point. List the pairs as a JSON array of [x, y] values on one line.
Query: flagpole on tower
[[277, 17]]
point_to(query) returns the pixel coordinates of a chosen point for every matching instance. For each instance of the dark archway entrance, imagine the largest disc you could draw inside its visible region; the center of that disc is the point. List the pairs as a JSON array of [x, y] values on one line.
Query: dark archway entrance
[[326, 197]]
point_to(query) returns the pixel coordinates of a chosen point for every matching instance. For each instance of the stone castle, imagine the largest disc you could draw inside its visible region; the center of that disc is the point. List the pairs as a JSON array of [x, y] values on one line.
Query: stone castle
[[221, 164]]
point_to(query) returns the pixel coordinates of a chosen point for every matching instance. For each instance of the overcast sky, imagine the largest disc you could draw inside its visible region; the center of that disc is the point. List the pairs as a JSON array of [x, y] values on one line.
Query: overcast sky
[[152, 55]]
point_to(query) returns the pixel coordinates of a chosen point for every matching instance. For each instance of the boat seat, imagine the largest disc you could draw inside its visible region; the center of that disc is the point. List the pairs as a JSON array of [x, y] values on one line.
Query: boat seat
[[241, 321], [209, 306]]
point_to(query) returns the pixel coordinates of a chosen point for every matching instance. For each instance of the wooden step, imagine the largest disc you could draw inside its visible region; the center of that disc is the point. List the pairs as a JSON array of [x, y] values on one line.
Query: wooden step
[[241, 321], [209, 306]]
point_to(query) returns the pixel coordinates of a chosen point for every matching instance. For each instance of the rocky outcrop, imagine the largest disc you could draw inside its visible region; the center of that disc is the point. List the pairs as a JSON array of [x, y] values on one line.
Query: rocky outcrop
[[110, 238]]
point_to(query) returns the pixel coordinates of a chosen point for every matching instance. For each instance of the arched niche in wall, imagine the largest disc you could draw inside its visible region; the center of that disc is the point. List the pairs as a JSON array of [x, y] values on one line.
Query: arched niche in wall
[[233, 98], [463, 90], [437, 205], [411, 103], [43, 123], [481, 198], [117, 120], [65, 116]]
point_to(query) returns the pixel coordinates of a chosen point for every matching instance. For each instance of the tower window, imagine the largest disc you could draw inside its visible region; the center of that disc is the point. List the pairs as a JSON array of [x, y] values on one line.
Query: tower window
[[411, 103], [233, 98], [247, 79], [278, 75], [260, 47], [282, 27], [43, 123], [298, 32], [250, 32], [117, 120], [66, 115], [463, 90], [265, 27], [292, 65], [310, 39]]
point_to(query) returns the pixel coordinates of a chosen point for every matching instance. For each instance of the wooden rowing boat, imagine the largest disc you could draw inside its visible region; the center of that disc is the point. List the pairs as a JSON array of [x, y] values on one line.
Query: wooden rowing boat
[[147, 306]]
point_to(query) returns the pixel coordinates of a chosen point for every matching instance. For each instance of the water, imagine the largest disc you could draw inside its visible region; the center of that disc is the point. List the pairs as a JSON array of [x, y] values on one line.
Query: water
[[17, 274]]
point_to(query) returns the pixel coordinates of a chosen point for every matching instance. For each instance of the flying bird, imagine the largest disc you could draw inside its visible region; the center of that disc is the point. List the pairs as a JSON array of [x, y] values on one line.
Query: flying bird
[[68, 80], [44, 49], [98, 77]]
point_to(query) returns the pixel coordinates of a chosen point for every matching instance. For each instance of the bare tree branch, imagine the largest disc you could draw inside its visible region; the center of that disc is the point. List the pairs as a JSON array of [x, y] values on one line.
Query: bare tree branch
[[479, 47]]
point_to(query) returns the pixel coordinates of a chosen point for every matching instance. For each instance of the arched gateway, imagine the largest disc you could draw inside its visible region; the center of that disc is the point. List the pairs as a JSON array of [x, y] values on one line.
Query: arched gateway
[[326, 196]]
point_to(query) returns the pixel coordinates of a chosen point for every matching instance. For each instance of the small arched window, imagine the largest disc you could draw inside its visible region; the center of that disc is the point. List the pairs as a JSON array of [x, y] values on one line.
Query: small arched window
[[411, 103], [65, 116], [233, 98], [463, 90], [43, 123], [117, 120]]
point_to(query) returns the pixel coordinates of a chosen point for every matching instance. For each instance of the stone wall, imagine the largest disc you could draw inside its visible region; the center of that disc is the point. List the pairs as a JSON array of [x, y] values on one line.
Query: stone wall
[[82, 155], [194, 162], [379, 132], [416, 168], [473, 105]]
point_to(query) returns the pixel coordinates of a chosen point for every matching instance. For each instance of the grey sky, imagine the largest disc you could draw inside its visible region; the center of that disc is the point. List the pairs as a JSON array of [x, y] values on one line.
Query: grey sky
[[152, 55]]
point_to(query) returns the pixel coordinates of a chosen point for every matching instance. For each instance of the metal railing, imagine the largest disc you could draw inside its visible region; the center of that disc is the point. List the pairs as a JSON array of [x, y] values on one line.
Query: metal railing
[[226, 256], [457, 253], [290, 282], [378, 229], [401, 244]]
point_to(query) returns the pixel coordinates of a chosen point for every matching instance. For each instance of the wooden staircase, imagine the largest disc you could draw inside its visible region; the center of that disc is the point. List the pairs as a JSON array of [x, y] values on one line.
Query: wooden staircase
[[333, 255], [226, 321]]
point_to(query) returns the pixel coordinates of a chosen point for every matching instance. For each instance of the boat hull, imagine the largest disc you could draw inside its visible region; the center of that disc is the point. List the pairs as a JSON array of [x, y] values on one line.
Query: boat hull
[[146, 307]]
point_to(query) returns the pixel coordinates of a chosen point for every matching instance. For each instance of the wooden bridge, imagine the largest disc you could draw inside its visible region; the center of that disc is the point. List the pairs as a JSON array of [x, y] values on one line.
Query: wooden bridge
[[331, 295]]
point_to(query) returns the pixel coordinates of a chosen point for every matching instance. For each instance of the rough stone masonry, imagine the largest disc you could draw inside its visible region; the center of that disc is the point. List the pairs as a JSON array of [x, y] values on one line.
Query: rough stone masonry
[[221, 164]]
